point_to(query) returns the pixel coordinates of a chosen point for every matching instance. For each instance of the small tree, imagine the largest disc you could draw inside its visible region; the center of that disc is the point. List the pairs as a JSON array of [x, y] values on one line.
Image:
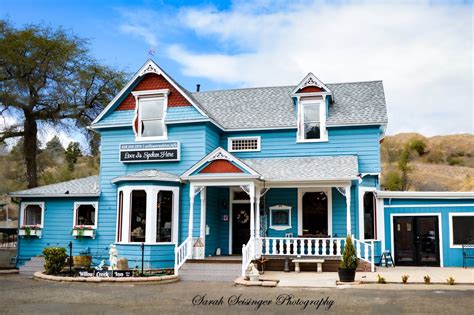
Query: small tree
[[349, 257], [55, 259], [404, 168], [73, 151]]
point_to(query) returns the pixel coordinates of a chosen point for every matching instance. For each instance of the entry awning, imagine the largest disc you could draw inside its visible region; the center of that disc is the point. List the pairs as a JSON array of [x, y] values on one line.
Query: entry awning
[[147, 175], [303, 169]]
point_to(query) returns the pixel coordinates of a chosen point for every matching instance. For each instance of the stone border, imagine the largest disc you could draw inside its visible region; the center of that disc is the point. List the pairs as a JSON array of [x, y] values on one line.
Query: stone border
[[262, 283], [154, 279]]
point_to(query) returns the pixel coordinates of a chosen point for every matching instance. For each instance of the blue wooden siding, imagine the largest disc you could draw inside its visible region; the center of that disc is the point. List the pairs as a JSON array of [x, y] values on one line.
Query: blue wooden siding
[[57, 228], [216, 206], [360, 141], [452, 257]]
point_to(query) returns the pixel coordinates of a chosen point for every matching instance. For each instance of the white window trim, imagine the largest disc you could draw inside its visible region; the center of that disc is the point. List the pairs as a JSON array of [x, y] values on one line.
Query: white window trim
[[151, 94], [95, 204], [451, 235], [23, 208], [301, 192], [362, 191], [230, 139], [322, 121], [150, 231], [280, 227]]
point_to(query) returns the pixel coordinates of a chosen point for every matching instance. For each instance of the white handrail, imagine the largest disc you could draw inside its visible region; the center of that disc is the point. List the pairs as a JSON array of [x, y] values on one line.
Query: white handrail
[[249, 253], [183, 252], [365, 251], [296, 246]]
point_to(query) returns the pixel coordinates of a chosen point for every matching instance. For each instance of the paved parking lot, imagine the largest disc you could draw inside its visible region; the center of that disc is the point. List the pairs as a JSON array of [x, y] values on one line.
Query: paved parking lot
[[24, 295]]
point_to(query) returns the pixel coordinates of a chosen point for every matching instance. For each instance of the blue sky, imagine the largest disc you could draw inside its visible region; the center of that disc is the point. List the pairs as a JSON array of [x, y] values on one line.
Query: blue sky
[[421, 50]]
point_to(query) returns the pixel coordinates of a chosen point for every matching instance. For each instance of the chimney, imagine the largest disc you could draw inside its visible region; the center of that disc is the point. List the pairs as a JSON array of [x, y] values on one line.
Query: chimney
[[198, 87]]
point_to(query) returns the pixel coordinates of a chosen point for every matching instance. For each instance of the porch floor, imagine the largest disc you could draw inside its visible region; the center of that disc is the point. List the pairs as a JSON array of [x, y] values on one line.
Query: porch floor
[[391, 275]]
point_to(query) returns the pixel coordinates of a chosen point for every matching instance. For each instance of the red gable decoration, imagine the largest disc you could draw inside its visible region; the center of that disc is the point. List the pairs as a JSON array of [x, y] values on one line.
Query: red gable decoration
[[310, 89], [221, 166], [152, 81]]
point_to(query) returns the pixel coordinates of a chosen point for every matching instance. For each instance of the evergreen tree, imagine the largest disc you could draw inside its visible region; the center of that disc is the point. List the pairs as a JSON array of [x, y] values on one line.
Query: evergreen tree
[[73, 151]]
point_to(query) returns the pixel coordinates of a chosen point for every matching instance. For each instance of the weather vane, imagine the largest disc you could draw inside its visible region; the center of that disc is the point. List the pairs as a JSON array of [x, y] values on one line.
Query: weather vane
[[152, 52]]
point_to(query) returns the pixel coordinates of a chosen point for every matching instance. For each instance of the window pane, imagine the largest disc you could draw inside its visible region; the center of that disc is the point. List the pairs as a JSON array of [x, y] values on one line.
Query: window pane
[[463, 229], [369, 216], [315, 214], [32, 215], [164, 211], [138, 216], [280, 217], [120, 217], [151, 108], [311, 112], [152, 128], [312, 131], [85, 215], [241, 195]]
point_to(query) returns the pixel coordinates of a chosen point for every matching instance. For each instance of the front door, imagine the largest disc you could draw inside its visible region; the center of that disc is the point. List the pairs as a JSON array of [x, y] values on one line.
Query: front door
[[416, 241], [240, 226]]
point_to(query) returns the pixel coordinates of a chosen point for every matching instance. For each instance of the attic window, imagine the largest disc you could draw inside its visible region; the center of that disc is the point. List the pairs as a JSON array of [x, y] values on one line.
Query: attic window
[[150, 114], [244, 144], [311, 120]]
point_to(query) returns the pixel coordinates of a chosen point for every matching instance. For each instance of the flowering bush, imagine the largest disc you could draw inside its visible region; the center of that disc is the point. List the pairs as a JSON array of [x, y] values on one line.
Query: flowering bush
[[79, 229]]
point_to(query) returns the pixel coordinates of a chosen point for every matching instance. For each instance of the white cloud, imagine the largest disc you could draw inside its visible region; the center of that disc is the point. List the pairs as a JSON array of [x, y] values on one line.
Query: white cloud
[[422, 52]]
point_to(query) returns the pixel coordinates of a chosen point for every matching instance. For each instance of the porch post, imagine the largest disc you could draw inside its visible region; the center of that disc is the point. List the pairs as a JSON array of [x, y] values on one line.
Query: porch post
[[202, 234], [252, 210], [191, 208], [348, 205], [257, 219]]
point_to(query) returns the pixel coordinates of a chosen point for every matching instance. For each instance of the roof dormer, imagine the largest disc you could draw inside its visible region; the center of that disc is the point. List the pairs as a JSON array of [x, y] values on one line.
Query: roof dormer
[[312, 98]]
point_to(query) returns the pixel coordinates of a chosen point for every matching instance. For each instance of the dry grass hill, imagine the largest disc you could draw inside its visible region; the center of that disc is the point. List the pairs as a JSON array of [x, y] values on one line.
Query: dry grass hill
[[441, 163]]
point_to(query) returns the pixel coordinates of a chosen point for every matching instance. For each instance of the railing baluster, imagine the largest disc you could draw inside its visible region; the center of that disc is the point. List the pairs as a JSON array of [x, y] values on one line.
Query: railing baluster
[[325, 244], [274, 246], [366, 251], [358, 248]]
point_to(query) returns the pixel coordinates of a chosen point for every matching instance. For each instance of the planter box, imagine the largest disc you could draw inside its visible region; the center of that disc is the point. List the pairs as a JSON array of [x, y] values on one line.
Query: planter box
[[85, 233], [33, 233]]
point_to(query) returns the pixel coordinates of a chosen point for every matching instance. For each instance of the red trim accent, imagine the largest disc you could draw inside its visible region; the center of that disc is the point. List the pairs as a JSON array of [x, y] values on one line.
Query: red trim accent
[[310, 89], [221, 166], [152, 81]]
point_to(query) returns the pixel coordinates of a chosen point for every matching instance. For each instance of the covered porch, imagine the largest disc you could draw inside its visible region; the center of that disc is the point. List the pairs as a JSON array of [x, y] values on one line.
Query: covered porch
[[275, 208]]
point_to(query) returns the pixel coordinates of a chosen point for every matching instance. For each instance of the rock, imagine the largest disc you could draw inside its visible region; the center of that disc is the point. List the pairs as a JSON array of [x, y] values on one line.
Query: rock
[[269, 283]]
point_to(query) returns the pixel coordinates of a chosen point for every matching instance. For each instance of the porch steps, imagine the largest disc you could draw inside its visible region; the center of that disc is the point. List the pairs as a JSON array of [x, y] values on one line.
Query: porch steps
[[210, 270], [33, 265]]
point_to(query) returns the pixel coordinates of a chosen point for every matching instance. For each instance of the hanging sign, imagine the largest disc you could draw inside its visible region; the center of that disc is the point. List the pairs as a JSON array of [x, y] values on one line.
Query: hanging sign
[[150, 152]]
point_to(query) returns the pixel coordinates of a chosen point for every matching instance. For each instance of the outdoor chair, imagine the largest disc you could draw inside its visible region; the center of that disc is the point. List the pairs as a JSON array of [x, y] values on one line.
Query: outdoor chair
[[467, 253]]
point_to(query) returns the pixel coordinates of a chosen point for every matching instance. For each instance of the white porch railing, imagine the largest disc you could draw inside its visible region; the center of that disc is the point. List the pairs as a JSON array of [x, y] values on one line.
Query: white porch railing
[[183, 252], [304, 247], [365, 251]]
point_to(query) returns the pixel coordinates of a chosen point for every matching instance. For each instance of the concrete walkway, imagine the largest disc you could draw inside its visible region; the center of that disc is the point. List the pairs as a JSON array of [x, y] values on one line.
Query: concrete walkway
[[391, 275]]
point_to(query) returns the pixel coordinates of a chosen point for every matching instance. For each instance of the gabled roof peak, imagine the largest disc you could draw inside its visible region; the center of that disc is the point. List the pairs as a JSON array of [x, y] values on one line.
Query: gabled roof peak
[[310, 80]]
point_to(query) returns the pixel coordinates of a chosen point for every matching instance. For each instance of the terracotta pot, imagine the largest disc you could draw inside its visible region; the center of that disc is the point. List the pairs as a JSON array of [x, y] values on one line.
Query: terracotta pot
[[346, 275], [82, 261]]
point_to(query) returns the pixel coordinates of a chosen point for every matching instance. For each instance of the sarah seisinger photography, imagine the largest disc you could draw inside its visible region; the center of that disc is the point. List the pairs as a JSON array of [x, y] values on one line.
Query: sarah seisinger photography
[[236, 157]]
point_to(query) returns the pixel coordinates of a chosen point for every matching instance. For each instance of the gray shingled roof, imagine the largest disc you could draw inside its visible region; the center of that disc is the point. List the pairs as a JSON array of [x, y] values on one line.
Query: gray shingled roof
[[354, 103], [153, 175], [305, 168], [87, 186]]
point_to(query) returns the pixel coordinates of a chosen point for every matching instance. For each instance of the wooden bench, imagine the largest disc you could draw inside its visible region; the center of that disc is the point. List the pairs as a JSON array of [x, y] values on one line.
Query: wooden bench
[[318, 261]]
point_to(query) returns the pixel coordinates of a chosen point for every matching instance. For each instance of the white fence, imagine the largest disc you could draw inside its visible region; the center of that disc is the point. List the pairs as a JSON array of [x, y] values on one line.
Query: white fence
[[183, 252]]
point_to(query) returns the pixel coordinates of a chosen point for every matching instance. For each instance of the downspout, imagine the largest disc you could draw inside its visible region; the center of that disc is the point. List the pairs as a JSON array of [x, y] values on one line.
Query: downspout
[[17, 201]]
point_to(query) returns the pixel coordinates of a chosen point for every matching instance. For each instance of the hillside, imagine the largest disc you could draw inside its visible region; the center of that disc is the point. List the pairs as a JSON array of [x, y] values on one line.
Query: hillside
[[446, 163]]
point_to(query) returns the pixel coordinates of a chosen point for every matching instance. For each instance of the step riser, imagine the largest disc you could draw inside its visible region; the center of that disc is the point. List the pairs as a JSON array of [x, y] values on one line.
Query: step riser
[[217, 272]]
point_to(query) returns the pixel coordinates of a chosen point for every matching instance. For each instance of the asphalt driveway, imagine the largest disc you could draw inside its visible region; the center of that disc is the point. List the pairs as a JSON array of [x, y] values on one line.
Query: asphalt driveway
[[24, 295]]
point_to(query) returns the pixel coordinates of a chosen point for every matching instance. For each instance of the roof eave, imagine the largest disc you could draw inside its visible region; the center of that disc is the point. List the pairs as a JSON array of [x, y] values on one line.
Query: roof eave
[[53, 195], [426, 194]]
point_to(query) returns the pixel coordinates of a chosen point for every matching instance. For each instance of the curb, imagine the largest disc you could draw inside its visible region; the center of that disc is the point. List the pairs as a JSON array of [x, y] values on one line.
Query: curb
[[156, 279], [9, 272]]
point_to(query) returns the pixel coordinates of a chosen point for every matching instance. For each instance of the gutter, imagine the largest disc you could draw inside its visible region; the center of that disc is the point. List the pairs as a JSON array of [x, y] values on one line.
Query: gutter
[[52, 196], [426, 194]]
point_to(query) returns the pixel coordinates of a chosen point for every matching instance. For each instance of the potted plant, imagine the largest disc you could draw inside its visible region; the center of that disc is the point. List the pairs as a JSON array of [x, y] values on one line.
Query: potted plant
[[347, 267], [81, 231], [30, 230], [83, 261]]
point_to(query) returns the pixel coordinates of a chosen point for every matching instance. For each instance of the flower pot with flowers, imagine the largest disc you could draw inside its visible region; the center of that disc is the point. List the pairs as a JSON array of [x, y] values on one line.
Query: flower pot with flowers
[[81, 231], [347, 267], [29, 230]]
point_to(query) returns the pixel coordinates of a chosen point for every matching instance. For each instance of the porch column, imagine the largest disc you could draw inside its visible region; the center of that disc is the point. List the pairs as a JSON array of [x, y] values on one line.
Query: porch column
[[257, 219], [191, 209], [202, 234], [252, 210], [348, 205]]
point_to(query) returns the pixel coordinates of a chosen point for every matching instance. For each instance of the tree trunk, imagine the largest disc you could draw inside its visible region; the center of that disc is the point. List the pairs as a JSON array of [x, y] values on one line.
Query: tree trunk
[[30, 149]]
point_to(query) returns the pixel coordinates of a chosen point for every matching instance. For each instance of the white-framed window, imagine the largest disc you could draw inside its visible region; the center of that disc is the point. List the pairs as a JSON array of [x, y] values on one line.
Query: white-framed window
[[461, 228], [151, 107], [85, 214], [370, 213], [147, 214], [243, 144], [280, 217], [32, 214], [312, 120]]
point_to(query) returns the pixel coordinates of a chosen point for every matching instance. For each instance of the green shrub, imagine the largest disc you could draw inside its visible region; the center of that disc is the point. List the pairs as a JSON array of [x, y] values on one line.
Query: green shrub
[[427, 279], [450, 281], [392, 181], [349, 257], [381, 279], [55, 258], [417, 145], [405, 278], [454, 161]]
